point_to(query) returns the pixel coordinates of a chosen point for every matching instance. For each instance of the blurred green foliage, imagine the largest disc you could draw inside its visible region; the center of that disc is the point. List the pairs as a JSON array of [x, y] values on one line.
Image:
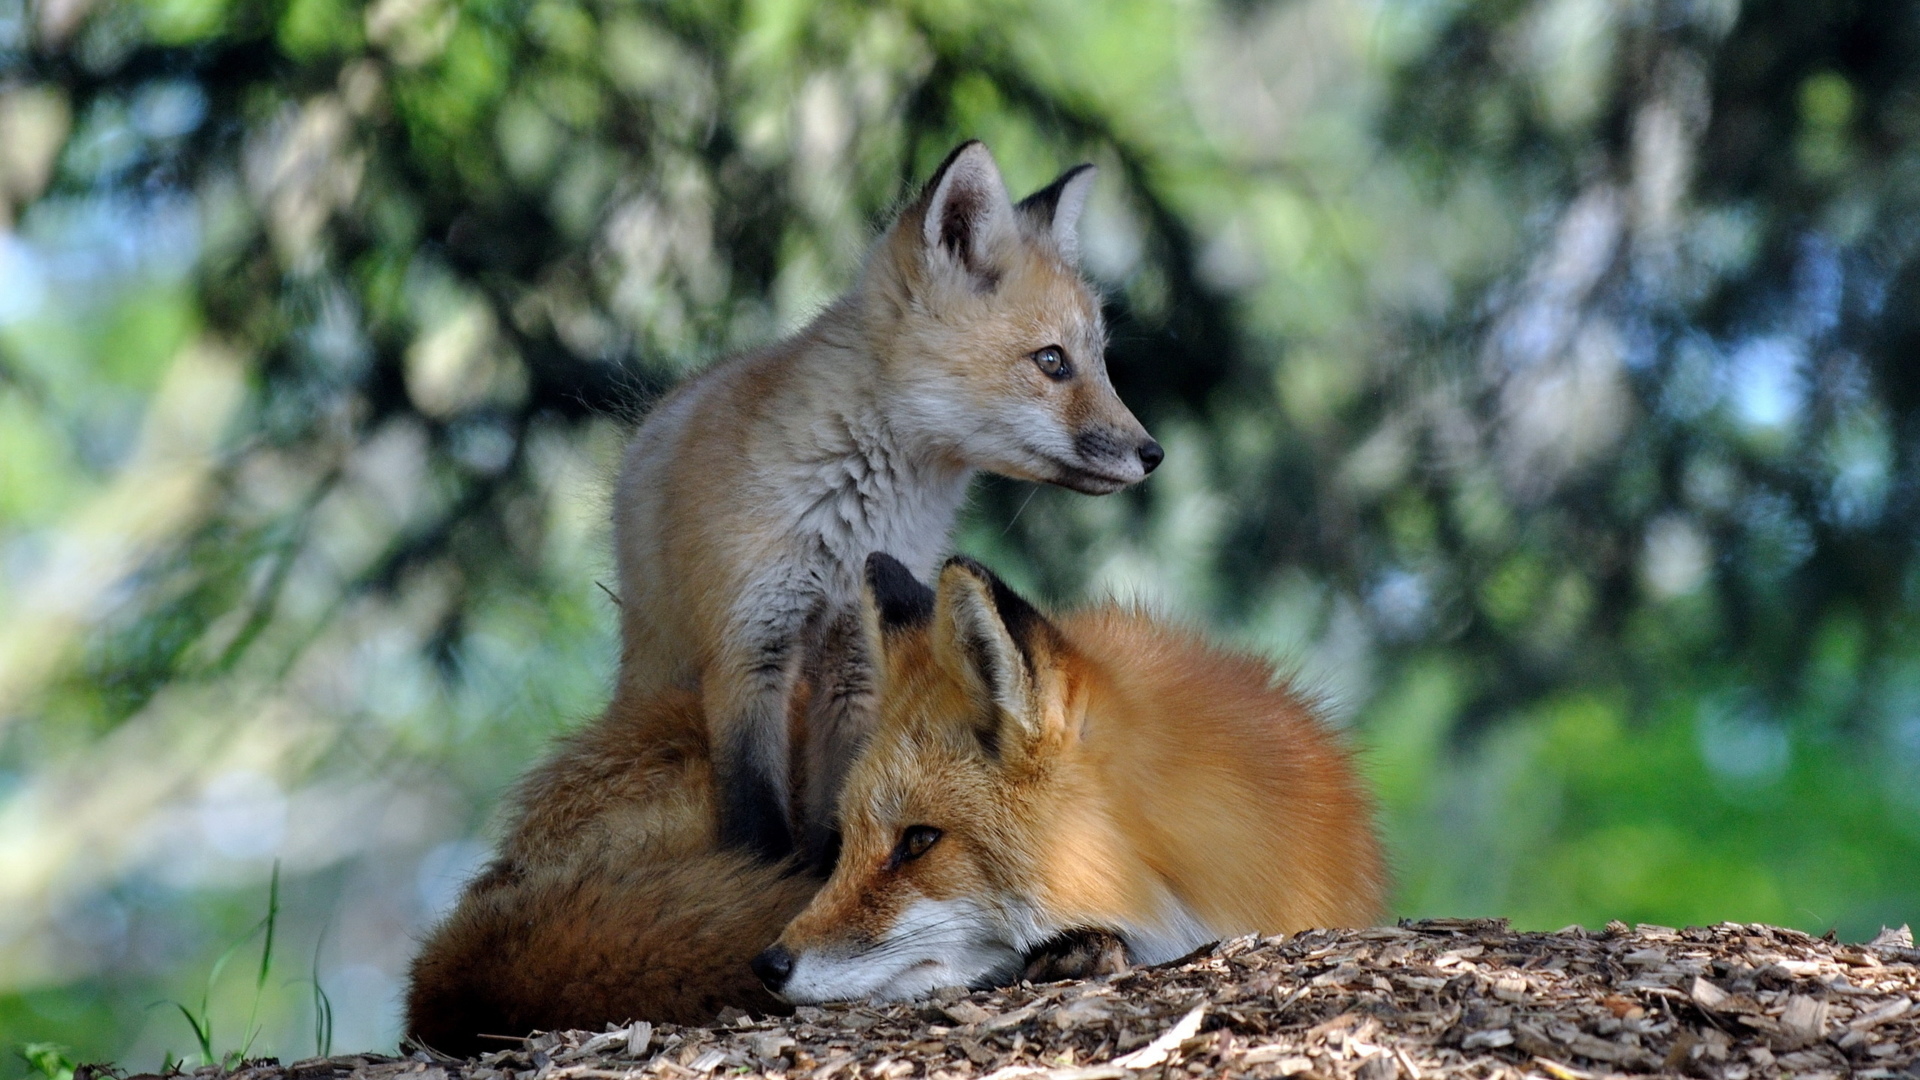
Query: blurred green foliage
[[1536, 377]]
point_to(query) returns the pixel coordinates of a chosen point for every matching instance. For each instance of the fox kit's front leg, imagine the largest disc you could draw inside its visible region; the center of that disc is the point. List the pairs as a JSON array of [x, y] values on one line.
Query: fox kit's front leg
[[846, 704], [838, 718], [745, 693]]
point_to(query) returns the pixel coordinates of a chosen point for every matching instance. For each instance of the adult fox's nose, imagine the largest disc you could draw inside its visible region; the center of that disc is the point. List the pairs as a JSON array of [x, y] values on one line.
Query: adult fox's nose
[[1151, 454], [774, 966]]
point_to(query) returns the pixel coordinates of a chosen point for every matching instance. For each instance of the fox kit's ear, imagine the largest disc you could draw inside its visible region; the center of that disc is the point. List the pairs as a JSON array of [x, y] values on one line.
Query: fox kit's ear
[[1057, 207], [987, 634], [966, 207]]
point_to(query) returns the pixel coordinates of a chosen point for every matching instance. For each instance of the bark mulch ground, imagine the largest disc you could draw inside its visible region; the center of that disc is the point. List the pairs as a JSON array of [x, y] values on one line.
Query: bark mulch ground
[[1436, 998]]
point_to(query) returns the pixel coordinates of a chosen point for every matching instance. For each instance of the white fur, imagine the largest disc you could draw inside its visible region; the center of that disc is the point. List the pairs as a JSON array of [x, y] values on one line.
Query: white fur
[[933, 944], [972, 177], [966, 942], [1178, 932], [974, 620], [1066, 213]]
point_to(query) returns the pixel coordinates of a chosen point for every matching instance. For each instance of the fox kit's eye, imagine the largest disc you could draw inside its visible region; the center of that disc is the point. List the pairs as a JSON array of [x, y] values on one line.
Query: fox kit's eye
[[914, 842], [1053, 363]]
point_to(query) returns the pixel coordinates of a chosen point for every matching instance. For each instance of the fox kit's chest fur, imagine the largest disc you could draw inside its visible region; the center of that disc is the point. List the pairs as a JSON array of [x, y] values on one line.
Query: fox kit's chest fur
[[823, 480], [751, 496], [861, 490]]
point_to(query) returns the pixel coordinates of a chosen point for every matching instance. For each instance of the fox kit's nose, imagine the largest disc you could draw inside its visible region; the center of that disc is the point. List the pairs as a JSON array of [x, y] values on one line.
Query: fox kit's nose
[[774, 966], [1150, 454]]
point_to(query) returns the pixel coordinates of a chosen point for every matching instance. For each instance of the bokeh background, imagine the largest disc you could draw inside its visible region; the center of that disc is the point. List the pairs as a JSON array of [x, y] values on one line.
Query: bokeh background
[[1540, 379]]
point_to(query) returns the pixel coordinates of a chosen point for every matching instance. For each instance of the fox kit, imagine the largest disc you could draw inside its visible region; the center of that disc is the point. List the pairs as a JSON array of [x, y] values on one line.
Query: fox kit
[[750, 495], [611, 900], [1028, 776]]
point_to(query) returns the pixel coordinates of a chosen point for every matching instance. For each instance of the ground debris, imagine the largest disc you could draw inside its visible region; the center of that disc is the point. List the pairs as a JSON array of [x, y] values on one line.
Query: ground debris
[[1434, 998]]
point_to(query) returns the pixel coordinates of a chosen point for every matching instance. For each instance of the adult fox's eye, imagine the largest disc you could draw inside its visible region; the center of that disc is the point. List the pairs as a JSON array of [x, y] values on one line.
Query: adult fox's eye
[[1053, 363], [914, 842]]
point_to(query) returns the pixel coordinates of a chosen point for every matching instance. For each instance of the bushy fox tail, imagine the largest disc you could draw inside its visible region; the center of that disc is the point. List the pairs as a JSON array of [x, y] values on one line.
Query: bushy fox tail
[[592, 941], [611, 901]]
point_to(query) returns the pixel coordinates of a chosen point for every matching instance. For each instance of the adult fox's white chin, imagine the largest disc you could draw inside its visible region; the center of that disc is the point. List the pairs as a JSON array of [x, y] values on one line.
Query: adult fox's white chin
[[934, 944], [924, 978]]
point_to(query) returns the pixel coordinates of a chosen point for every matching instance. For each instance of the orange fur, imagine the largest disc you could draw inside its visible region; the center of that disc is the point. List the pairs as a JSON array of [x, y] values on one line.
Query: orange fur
[[611, 899], [1102, 770]]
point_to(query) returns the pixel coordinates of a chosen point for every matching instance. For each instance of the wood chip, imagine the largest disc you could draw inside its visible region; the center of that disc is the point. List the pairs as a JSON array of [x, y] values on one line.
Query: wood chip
[[1892, 1010], [1890, 938], [1803, 1020], [1491, 1038], [1012, 1018], [1510, 988], [1379, 1066], [965, 1012], [1706, 995], [1160, 1049], [831, 1066]]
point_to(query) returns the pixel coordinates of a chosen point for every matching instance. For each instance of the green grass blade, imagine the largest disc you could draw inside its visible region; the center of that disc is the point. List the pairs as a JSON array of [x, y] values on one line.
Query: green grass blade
[[202, 1032], [322, 1005], [252, 1031], [273, 916]]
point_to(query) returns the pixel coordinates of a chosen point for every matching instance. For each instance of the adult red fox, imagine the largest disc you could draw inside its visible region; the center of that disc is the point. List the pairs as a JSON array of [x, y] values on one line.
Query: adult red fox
[[749, 497], [1029, 776], [612, 898]]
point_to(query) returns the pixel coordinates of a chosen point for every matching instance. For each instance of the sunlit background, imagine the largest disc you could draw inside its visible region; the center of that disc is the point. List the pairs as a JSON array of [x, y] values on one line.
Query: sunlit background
[[1539, 378]]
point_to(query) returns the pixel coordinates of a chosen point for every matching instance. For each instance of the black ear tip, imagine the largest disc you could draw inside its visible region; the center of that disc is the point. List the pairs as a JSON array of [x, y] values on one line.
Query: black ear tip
[[972, 566], [946, 163], [1018, 615], [1044, 201], [903, 599], [881, 564]]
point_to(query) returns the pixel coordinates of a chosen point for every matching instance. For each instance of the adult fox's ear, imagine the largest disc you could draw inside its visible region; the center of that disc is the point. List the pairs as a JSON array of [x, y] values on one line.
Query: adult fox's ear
[[965, 206], [989, 636], [1057, 207]]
